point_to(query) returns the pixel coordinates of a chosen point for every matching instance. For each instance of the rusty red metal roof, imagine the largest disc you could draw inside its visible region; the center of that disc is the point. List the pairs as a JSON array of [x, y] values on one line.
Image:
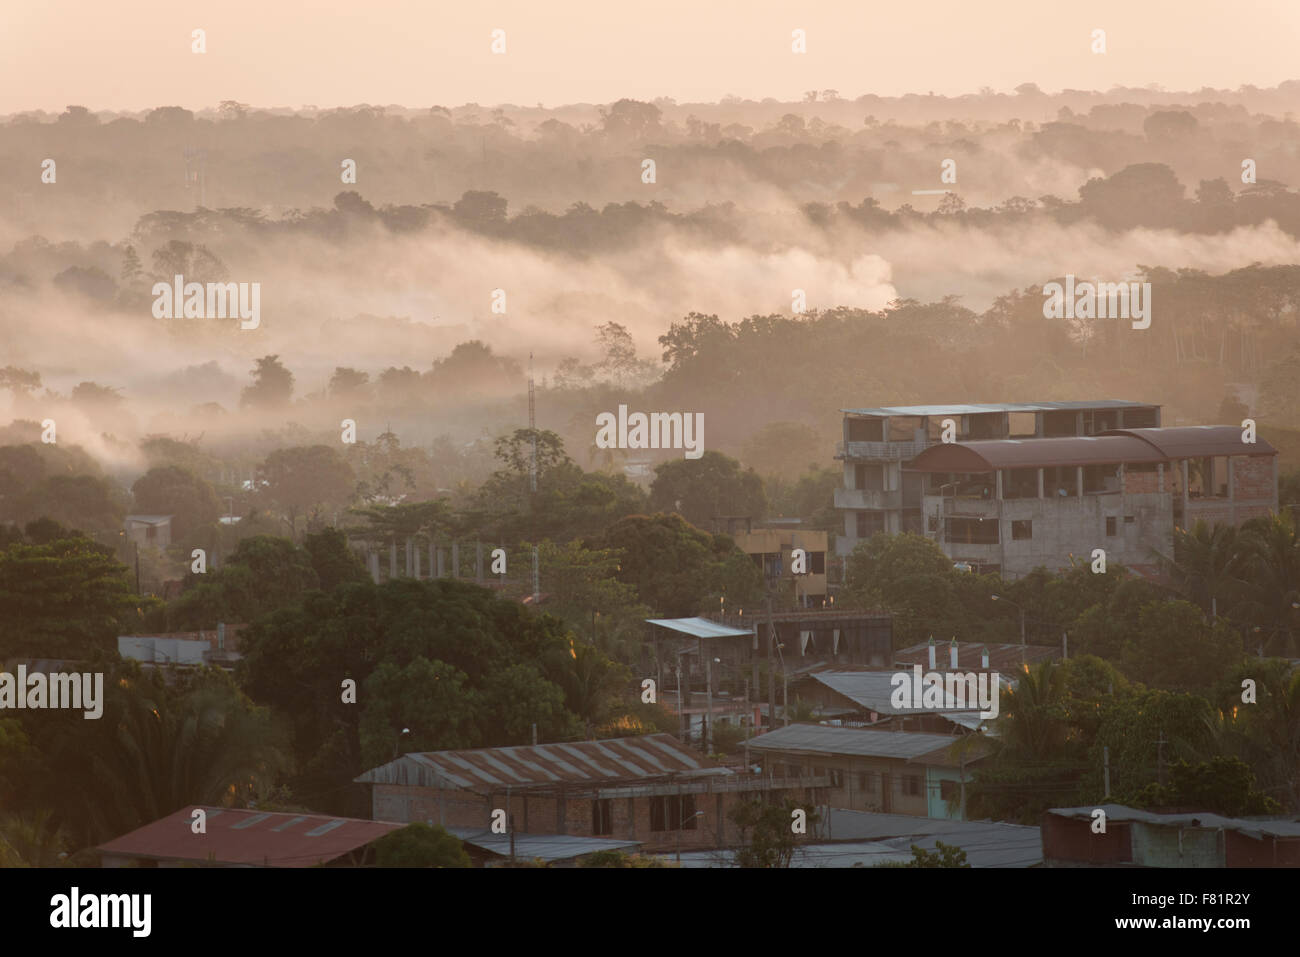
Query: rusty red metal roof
[[608, 763], [249, 838], [992, 454], [1198, 441]]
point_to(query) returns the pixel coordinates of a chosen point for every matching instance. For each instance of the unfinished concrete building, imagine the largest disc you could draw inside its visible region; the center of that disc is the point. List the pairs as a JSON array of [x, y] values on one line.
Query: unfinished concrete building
[[1009, 506], [879, 495]]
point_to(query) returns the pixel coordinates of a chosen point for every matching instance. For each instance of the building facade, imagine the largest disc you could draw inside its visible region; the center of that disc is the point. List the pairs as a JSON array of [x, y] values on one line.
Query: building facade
[[1009, 506], [879, 495]]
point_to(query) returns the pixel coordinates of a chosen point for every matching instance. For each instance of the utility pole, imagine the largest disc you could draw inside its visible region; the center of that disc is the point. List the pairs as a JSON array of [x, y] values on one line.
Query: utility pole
[[532, 428], [537, 581], [708, 701], [1160, 757]]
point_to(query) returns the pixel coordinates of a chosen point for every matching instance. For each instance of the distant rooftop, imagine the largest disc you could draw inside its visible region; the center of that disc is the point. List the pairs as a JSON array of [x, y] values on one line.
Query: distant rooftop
[[612, 762], [249, 838], [818, 739], [981, 407]]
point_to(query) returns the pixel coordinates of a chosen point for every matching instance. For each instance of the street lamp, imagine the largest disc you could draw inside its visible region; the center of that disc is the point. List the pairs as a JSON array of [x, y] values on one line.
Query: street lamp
[[1022, 623], [681, 824]]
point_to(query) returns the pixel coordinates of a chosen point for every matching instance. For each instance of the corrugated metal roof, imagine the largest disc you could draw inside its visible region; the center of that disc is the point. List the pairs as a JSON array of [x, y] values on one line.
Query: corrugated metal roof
[[1004, 658], [700, 627], [987, 455], [548, 847], [1119, 812], [608, 763], [249, 838], [1198, 441], [979, 408], [986, 843], [818, 739], [872, 690]]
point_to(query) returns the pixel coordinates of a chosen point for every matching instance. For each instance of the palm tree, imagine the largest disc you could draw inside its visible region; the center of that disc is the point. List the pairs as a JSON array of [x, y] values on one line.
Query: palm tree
[[1206, 564], [1034, 723], [31, 840], [1272, 555]]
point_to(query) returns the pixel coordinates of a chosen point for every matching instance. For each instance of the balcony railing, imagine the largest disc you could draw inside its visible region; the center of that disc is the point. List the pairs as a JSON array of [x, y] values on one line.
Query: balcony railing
[[867, 498], [879, 451]]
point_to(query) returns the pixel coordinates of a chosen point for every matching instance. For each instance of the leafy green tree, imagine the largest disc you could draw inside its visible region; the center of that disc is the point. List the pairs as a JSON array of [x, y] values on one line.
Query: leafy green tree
[[1222, 785], [455, 664], [272, 386], [703, 489], [768, 839], [306, 479], [943, 855], [621, 859], [263, 574], [908, 575], [332, 559], [64, 599], [157, 749], [679, 570], [171, 490], [420, 845], [82, 501], [1177, 649], [1207, 564]]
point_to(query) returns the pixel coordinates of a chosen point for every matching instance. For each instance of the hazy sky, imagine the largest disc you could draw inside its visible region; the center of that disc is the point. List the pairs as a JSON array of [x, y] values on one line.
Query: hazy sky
[[135, 54]]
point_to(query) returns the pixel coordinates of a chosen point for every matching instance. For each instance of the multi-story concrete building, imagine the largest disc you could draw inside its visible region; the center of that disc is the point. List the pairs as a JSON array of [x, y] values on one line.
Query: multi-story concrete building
[[879, 495], [1009, 506]]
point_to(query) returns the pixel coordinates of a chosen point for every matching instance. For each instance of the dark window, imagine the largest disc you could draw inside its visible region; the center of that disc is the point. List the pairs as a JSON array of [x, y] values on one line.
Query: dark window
[[1110, 524], [657, 815], [972, 531], [866, 430], [912, 785], [602, 816], [869, 523], [1128, 520], [1021, 529], [817, 563], [673, 813]]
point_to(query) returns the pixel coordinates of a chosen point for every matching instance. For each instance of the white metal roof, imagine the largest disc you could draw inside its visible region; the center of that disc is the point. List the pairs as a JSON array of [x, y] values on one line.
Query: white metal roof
[[700, 627], [819, 739]]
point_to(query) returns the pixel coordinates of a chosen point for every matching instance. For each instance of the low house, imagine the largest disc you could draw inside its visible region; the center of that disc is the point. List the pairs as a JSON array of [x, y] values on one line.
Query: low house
[[151, 530], [893, 772], [245, 838], [216, 647], [486, 848], [648, 789], [725, 660], [1075, 837]]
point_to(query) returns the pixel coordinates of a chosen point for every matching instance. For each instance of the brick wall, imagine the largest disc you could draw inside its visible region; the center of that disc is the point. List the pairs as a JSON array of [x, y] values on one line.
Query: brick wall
[[1252, 477], [542, 814], [1135, 482]]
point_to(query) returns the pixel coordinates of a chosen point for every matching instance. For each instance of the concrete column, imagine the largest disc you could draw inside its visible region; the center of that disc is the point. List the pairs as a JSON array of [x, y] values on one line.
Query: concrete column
[[374, 567], [997, 483], [1160, 476], [392, 559], [1040, 471], [1078, 480], [415, 554], [455, 559]]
